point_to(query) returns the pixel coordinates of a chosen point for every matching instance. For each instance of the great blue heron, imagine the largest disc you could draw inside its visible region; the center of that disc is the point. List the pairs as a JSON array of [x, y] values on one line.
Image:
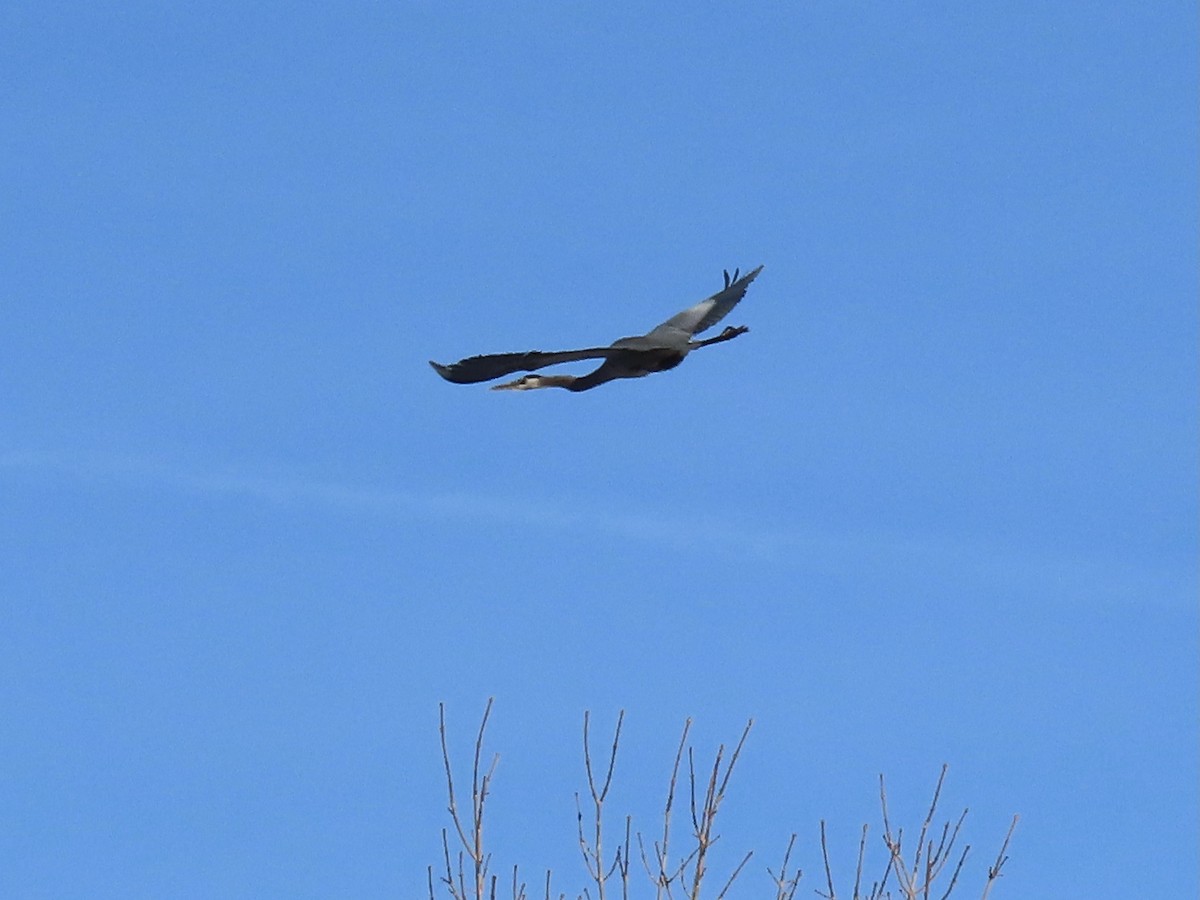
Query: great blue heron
[[632, 357]]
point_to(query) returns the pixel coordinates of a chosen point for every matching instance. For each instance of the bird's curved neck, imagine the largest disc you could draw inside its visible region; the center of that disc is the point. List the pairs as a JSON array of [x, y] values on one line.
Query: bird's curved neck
[[562, 381]]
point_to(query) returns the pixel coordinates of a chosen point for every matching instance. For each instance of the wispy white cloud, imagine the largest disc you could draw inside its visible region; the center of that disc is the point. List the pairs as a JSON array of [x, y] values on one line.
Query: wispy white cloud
[[693, 538]]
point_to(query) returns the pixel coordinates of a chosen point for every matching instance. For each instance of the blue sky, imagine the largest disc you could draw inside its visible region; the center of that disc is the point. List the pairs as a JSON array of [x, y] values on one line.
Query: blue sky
[[939, 505]]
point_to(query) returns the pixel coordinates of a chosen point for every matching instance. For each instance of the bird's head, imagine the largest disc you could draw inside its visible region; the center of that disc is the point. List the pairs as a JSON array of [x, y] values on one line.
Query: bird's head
[[531, 382], [524, 383]]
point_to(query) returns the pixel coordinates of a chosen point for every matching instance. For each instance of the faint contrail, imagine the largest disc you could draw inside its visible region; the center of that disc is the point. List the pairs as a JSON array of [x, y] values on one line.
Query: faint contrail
[[695, 538]]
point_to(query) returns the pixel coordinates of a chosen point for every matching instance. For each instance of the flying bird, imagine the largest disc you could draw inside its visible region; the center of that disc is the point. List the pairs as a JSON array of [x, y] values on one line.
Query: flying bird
[[631, 357]]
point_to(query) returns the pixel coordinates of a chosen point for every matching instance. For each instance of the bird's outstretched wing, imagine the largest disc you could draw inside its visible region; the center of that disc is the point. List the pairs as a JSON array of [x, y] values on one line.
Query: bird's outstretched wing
[[707, 313], [484, 368]]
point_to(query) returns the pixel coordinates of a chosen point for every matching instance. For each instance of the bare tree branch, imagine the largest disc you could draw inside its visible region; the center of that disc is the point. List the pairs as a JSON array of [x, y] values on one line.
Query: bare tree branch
[[660, 876], [927, 864], [480, 786], [714, 795], [785, 887], [593, 853]]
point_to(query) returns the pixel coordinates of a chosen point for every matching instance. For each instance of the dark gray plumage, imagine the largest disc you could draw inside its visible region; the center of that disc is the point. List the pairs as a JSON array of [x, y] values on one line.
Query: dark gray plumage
[[663, 348]]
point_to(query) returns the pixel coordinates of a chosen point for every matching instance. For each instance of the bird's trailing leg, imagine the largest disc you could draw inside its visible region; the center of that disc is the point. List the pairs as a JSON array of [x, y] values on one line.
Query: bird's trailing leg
[[728, 280], [728, 334]]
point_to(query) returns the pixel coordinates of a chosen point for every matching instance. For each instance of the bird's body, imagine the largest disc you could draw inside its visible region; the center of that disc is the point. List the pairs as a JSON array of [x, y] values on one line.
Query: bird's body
[[632, 357]]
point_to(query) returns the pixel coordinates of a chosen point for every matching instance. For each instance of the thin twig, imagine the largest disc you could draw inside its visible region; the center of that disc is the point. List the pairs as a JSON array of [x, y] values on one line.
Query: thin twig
[[957, 869], [1001, 859], [937, 792], [661, 878], [449, 878], [737, 751], [895, 845], [623, 859], [479, 792], [480, 787], [858, 868], [714, 795], [740, 866], [594, 854], [832, 895], [785, 888], [453, 809]]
